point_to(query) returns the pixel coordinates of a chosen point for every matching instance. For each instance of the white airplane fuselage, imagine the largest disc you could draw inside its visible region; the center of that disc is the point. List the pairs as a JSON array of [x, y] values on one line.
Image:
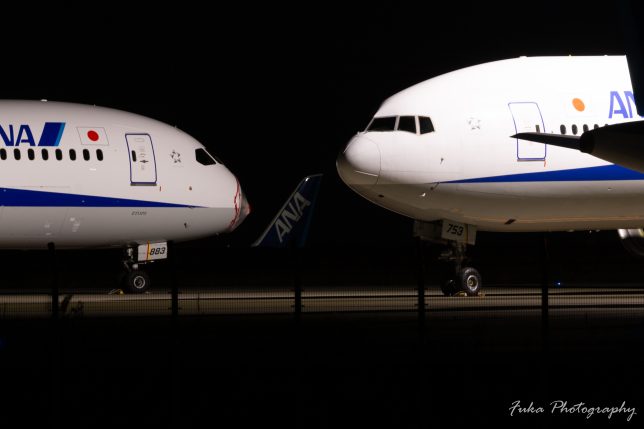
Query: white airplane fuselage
[[86, 176], [469, 170]]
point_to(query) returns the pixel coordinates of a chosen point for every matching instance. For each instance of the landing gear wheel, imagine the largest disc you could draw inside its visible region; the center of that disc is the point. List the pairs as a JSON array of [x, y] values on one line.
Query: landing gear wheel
[[469, 281], [448, 287], [136, 281]]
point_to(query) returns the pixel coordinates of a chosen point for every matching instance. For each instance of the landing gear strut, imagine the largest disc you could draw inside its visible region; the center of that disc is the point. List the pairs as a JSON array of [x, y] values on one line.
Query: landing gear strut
[[135, 279], [456, 236], [464, 279]]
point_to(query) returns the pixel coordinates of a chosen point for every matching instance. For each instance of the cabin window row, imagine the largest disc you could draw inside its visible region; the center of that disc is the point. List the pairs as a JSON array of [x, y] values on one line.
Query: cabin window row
[[44, 154], [574, 129]]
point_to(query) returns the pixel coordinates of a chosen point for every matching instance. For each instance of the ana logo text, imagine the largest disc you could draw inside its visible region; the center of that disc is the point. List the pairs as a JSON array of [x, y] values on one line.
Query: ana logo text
[[622, 106], [15, 135], [290, 215]]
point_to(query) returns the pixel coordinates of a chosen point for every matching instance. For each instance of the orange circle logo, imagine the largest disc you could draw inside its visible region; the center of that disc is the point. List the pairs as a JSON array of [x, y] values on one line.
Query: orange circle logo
[[578, 104]]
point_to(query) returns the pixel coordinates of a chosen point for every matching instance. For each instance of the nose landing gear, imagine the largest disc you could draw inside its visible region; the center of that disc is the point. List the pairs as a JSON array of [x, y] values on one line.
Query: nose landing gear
[[464, 279], [461, 278], [134, 279]]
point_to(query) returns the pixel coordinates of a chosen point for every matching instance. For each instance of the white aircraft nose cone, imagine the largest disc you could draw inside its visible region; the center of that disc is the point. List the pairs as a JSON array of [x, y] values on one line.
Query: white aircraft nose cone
[[242, 209], [359, 164]]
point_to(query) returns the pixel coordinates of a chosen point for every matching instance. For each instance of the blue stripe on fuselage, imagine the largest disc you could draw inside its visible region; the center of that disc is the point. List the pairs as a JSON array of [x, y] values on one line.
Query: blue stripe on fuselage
[[28, 198], [601, 173]]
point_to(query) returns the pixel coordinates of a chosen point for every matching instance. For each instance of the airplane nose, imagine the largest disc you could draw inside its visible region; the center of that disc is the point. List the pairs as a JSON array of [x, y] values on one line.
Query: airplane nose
[[242, 209], [359, 164]]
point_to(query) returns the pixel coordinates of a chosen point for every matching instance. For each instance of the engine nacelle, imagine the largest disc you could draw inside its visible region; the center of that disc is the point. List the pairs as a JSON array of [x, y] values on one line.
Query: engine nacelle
[[633, 241], [621, 144]]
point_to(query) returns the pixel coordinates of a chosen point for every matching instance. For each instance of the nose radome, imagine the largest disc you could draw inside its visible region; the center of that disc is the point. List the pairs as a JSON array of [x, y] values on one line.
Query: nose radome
[[242, 209], [359, 164]]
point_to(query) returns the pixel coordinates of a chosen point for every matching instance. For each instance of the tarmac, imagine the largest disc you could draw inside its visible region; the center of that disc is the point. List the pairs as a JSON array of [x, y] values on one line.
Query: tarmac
[[357, 357]]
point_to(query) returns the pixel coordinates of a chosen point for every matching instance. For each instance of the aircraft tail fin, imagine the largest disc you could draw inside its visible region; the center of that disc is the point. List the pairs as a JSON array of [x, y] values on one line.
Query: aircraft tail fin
[[291, 225]]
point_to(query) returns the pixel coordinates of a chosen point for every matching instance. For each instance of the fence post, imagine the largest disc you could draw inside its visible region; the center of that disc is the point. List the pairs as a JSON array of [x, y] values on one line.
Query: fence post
[[544, 289], [54, 341], [420, 283], [54, 280], [297, 282], [174, 288]]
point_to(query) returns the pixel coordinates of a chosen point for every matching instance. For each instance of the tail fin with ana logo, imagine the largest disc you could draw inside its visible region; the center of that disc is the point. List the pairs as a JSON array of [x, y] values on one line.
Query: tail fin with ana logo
[[291, 225]]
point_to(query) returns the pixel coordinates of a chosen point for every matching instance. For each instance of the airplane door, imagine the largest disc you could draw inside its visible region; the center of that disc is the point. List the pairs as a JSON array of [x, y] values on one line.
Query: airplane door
[[527, 118], [143, 167]]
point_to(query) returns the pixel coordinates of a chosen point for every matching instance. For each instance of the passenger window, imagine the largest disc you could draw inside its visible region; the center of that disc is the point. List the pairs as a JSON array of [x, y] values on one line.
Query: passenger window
[[562, 129], [30, 154], [595, 126], [585, 127], [99, 154], [59, 154], [3, 154], [407, 123], [45, 154], [574, 129], [203, 157], [382, 124], [16, 154], [72, 154], [425, 125], [86, 154]]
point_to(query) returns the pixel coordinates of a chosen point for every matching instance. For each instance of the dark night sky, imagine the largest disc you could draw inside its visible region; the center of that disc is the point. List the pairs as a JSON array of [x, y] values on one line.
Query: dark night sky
[[276, 91]]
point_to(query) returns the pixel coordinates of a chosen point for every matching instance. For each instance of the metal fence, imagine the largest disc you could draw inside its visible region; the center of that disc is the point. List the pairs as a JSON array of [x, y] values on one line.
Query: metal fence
[[302, 282]]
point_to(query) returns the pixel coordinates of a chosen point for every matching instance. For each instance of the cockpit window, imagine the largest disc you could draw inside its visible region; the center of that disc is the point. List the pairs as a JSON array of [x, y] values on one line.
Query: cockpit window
[[407, 123], [204, 157], [425, 125], [402, 123], [387, 123]]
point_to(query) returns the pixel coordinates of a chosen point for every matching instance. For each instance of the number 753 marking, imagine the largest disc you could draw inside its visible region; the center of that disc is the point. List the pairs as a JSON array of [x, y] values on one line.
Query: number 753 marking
[[455, 229]]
